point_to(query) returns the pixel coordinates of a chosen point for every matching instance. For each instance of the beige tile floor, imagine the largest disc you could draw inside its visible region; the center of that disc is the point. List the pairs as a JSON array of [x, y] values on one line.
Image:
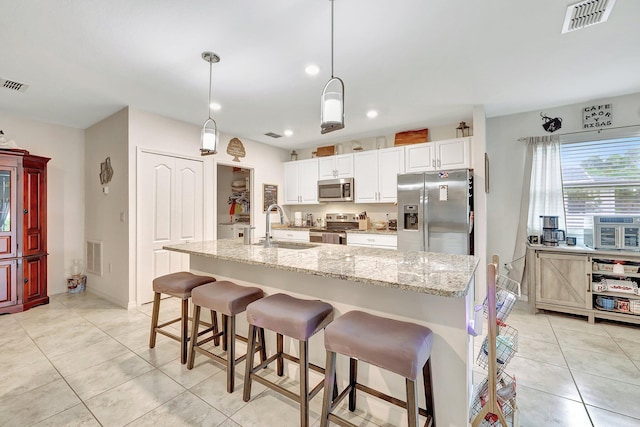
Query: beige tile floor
[[81, 361]]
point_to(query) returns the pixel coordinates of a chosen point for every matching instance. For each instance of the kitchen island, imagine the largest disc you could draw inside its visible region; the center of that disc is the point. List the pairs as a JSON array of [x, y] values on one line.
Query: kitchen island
[[436, 290]]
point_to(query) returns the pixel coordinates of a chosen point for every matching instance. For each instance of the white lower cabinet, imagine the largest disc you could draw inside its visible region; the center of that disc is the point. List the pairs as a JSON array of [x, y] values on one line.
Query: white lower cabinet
[[384, 241], [290, 235]]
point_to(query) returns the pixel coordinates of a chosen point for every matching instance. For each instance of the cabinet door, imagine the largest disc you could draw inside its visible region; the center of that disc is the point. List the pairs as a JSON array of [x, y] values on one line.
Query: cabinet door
[[309, 181], [420, 157], [34, 199], [8, 289], [344, 166], [562, 279], [35, 278], [327, 167], [291, 183], [365, 168], [452, 154], [390, 164], [8, 208]]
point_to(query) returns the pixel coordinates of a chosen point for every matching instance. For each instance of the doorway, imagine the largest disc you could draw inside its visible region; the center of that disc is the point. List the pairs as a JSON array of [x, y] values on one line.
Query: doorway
[[234, 206]]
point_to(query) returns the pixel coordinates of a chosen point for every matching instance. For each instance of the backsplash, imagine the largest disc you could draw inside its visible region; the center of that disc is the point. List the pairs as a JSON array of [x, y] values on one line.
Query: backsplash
[[375, 211]]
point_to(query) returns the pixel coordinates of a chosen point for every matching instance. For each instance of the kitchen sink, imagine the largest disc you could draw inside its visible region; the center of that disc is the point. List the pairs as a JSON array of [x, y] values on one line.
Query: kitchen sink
[[288, 245]]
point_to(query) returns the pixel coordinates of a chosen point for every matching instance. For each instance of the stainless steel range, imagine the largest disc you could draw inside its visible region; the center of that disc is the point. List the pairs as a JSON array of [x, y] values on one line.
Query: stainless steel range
[[336, 228]]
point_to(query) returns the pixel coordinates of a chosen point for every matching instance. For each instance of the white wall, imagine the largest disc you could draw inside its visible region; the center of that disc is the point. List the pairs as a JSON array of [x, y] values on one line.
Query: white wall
[[108, 138], [65, 189], [507, 160]]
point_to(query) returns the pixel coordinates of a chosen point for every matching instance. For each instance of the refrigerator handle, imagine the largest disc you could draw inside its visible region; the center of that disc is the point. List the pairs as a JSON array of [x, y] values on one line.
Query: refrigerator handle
[[423, 227]]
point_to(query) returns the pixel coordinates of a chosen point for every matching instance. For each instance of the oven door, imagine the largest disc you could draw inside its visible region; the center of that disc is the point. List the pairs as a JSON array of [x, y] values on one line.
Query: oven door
[[336, 238], [607, 237]]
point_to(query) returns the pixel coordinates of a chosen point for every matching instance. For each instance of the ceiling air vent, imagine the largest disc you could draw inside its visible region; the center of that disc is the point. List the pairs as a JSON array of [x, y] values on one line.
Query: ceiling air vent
[[586, 13], [273, 135], [9, 84]]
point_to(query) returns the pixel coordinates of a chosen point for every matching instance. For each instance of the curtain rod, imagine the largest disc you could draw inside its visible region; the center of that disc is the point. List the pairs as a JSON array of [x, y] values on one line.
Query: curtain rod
[[586, 131]]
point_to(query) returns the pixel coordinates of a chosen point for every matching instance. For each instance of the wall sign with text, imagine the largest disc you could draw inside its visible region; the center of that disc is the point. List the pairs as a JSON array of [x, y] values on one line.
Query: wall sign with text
[[597, 116]]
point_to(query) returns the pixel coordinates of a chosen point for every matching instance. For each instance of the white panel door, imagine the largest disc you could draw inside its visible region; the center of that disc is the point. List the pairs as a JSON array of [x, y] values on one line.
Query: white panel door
[[170, 211]]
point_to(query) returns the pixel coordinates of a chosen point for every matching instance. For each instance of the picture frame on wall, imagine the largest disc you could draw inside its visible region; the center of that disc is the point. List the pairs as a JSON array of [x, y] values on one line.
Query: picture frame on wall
[[269, 196]]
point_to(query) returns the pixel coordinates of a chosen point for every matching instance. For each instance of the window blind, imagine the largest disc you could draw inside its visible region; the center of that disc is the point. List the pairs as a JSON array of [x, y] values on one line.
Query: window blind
[[600, 177]]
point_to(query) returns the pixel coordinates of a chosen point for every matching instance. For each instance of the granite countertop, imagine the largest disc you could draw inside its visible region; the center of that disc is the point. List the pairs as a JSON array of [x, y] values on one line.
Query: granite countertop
[[426, 272], [278, 226]]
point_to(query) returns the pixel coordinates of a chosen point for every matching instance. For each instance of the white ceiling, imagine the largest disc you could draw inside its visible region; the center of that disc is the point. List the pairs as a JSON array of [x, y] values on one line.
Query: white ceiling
[[420, 63]]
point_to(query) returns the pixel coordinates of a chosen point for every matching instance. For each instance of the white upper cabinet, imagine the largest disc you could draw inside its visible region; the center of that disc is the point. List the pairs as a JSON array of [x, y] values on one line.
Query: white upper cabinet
[[376, 175], [438, 155], [301, 182], [340, 166]]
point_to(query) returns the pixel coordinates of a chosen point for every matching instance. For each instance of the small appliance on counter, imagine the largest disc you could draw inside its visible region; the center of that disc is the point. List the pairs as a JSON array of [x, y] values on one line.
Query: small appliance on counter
[[613, 232], [551, 234]]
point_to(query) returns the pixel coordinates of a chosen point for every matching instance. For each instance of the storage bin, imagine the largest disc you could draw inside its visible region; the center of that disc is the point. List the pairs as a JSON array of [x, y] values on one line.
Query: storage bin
[[622, 304], [605, 303]]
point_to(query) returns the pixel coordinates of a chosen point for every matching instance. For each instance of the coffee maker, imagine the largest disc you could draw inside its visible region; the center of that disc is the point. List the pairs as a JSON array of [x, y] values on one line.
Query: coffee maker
[[551, 234]]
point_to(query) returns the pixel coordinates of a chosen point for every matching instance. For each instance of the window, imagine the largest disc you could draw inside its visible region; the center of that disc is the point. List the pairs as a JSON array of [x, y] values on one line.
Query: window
[[600, 177]]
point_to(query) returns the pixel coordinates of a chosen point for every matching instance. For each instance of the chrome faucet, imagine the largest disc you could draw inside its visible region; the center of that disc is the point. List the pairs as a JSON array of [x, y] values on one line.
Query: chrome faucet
[[267, 237]]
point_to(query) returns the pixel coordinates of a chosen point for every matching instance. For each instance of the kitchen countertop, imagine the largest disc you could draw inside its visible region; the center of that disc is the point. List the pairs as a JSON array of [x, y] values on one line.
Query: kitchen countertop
[[425, 272], [579, 249], [372, 231]]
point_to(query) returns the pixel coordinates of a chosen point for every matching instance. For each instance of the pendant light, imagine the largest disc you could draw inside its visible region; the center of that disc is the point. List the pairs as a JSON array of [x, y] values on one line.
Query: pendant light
[[332, 102], [209, 136]]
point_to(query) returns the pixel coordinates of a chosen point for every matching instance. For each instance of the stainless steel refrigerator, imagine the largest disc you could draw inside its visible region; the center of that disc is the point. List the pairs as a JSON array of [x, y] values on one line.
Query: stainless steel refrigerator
[[435, 211]]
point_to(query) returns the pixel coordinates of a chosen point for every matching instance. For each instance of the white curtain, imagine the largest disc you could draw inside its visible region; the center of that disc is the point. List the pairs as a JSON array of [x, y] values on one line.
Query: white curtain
[[545, 192], [541, 195]]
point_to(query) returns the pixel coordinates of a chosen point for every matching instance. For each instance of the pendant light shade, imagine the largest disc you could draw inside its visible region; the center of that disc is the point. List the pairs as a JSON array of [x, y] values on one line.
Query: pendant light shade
[[209, 134], [332, 101]]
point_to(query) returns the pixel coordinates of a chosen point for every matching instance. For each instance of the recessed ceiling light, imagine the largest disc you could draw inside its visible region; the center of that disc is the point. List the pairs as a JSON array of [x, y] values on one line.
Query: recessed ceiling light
[[288, 132], [312, 69], [372, 114], [215, 106]]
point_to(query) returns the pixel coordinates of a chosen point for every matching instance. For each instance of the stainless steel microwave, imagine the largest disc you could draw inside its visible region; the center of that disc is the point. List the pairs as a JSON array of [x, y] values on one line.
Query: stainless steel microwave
[[615, 232], [335, 190]]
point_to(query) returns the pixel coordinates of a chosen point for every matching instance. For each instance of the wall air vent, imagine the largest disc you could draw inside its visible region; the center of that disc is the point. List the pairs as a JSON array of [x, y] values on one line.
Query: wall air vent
[[11, 85], [94, 257], [273, 135], [586, 13]]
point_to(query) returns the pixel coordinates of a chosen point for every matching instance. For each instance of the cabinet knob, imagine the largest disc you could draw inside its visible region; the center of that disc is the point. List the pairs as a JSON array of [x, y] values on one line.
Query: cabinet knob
[[26, 280], [26, 211]]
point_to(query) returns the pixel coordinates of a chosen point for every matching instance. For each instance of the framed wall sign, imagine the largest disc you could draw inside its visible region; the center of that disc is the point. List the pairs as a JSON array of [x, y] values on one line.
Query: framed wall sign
[[269, 196], [597, 116]]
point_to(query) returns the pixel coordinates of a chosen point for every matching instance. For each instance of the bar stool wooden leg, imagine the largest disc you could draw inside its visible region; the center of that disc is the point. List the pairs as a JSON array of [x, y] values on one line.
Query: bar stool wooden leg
[[428, 390], [184, 331], [280, 350], [251, 348], [304, 383], [263, 347], [154, 319], [214, 324], [329, 384], [353, 380], [194, 336], [230, 338], [412, 402]]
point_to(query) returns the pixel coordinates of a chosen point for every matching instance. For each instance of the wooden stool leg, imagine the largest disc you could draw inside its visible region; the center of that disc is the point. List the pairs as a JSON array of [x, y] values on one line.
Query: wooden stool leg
[[184, 331], [230, 337], [412, 402], [428, 390], [193, 342], [154, 319], [263, 346], [251, 348], [304, 383], [279, 349], [329, 384], [214, 323], [224, 328], [353, 379]]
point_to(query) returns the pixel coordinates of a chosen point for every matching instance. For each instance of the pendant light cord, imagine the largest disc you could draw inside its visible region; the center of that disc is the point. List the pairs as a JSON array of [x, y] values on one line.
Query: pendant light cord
[[331, 38], [210, 71]]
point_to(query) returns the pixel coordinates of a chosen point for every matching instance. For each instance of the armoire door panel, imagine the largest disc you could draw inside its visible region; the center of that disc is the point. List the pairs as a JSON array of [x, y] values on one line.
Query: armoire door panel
[[34, 277], [8, 294]]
